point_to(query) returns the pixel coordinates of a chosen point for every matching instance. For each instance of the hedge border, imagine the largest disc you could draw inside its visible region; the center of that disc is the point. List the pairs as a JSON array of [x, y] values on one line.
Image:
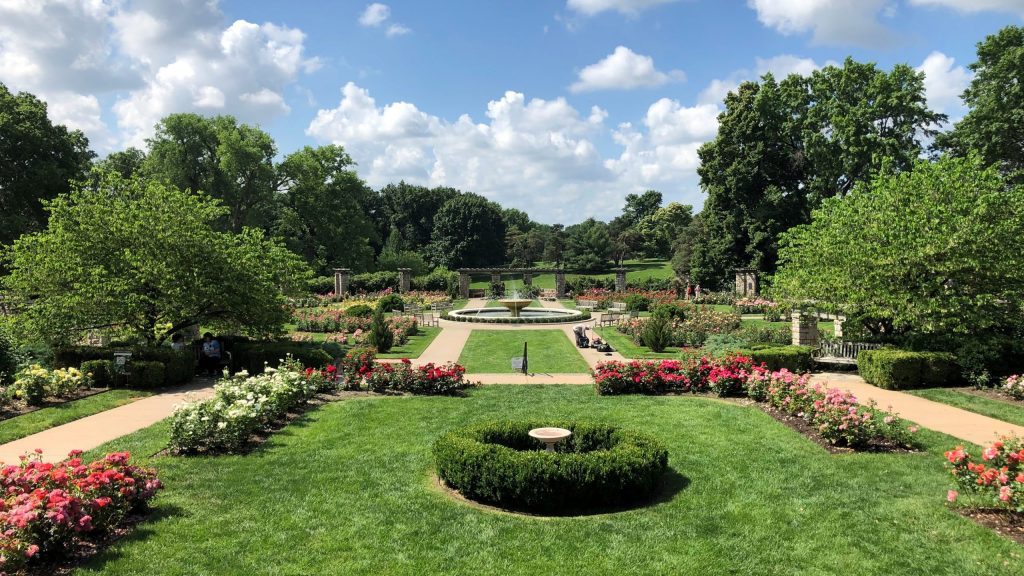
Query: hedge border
[[581, 315], [599, 467]]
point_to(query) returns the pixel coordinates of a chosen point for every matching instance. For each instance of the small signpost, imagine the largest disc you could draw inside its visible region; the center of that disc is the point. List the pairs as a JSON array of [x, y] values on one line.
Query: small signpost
[[521, 363]]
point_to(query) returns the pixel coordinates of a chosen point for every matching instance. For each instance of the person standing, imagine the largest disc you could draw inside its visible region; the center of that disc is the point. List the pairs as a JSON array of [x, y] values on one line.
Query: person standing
[[209, 362]]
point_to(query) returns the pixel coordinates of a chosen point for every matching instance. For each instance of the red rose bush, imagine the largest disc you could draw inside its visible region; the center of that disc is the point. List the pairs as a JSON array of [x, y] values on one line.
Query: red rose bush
[[47, 508], [996, 480], [427, 379]]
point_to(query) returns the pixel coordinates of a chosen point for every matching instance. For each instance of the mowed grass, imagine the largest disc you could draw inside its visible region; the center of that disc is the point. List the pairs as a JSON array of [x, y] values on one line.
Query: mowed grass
[[1007, 411], [46, 418], [347, 489], [416, 344], [624, 345], [550, 351]]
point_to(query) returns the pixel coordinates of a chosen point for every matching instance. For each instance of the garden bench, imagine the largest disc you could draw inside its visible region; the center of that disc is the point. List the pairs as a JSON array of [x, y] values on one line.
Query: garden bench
[[617, 307], [586, 305], [548, 294], [841, 352], [611, 318]]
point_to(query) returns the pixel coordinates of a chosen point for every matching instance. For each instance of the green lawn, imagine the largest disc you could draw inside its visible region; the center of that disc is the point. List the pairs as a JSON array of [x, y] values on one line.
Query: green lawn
[[46, 418], [416, 344], [347, 490], [625, 346], [637, 271], [550, 351], [1000, 410]]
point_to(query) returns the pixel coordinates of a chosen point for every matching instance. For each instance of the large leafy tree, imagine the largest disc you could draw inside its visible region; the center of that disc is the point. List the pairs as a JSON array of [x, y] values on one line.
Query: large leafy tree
[[38, 160], [324, 209], [933, 250], [784, 147], [588, 245], [411, 210], [994, 125], [231, 162], [469, 230], [145, 257]]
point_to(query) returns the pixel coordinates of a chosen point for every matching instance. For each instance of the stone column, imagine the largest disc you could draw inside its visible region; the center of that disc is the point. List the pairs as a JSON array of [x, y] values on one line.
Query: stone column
[[527, 279], [463, 284], [620, 279], [495, 278], [560, 285], [404, 279], [747, 282], [805, 328], [838, 324], [341, 279]]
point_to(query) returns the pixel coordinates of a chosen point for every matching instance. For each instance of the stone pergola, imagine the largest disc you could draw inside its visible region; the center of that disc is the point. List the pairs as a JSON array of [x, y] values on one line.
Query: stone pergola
[[343, 279], [528, 274]]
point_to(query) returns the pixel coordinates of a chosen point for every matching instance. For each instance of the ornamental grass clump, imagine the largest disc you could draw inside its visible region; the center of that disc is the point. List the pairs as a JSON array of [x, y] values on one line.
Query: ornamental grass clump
[[995, 481], [48, 509], [243, 406]]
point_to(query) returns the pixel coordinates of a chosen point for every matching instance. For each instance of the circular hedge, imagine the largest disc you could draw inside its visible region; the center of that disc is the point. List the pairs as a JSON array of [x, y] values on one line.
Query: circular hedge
[[599, 466]]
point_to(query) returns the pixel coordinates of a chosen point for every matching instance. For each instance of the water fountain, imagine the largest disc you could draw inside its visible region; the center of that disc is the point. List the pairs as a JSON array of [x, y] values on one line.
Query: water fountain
[[515, 310]]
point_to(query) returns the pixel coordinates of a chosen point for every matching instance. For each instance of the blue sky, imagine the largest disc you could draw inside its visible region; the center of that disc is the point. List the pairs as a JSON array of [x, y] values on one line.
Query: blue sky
[[557, 107]]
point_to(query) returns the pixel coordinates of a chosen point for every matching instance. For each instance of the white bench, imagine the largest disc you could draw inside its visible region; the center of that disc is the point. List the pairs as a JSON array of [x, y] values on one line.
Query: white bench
[[589, 305]]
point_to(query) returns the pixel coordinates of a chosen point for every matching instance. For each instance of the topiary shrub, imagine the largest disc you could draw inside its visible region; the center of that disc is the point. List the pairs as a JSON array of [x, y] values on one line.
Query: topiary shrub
[[146, 374], [102, 372], [599, 466], [902, 370], [793, 358], [381, 337], [638, 302], [656, 333], [359, 311]]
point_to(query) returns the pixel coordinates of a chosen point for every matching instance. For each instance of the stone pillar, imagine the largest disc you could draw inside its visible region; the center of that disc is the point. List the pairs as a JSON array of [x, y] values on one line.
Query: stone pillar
[[560, 285], [527, 279], [463, 284], [495, 278], [838, 324], [341, 279], [747, 282], [620, 279], [805, 328], [404, 279]]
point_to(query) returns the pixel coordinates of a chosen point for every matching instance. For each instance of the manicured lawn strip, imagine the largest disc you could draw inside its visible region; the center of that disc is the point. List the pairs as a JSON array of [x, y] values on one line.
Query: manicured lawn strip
[[1005, 411], [491, 351], [459, 303], [625, 346], [416, 344], [46, 418], [347, 490]]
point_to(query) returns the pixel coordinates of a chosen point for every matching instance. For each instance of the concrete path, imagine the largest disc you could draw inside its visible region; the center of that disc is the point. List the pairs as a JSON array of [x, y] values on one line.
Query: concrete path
[[91, 431], [934, 415]]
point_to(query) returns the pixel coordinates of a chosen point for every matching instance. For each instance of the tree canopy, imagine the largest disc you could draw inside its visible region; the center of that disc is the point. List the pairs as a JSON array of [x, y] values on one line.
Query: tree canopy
[[144, 257], [469, 230], [933, 250]]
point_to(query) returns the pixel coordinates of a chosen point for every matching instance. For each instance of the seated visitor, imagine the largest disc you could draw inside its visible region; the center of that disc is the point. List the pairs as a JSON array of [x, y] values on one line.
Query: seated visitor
[[209, 360]]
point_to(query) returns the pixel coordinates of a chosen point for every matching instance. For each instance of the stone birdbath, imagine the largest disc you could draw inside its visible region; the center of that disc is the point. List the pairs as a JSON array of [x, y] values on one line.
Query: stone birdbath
[[550, 436]]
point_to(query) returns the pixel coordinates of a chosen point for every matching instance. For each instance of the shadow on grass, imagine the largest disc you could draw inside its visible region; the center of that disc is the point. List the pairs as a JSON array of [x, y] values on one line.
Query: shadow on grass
[[137, 528]]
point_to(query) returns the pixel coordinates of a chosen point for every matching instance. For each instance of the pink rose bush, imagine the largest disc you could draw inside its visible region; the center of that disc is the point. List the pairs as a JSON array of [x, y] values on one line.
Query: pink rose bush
[[1014, 386], [427, 379], [996, 480], [835, 414], [46, 508]]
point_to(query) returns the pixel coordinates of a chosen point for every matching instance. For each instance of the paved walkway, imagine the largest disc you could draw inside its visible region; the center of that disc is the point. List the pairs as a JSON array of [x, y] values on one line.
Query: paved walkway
[[91, 431], [934, 415]]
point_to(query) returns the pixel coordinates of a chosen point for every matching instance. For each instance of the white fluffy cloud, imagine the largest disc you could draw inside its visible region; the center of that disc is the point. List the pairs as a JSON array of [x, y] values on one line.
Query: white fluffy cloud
[[538, 155], [1012, 6], [829, 21], [150, 57], [944, 81], [623, 69], [375, 14], [780, 66], [629, 7]]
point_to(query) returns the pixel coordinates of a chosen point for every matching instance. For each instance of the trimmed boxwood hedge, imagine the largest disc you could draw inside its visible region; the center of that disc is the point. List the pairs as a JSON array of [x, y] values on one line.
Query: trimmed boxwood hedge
[[598, 467], [793, 358], [901, 369]]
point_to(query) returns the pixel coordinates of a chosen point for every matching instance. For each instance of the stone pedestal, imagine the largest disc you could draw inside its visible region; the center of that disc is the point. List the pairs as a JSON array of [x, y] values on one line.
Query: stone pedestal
[[838, 324], [463, 284], [527, 279], [805, 328], [620, 279], [495, 278], [341, 281], [404, 279], [747, 283], [560, 285]]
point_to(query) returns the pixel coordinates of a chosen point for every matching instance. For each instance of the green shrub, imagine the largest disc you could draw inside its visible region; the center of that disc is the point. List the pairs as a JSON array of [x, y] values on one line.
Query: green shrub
[[656, 333], [390, 302], [598, 466], [146, 374], [439, 280], [781, 335], [373, 282], [718, 345], [102, 372], [359, 311], [8, 356], [793, 358], [255, 356], [381, 337], [901, 370], [638, 302], [179, 367]]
